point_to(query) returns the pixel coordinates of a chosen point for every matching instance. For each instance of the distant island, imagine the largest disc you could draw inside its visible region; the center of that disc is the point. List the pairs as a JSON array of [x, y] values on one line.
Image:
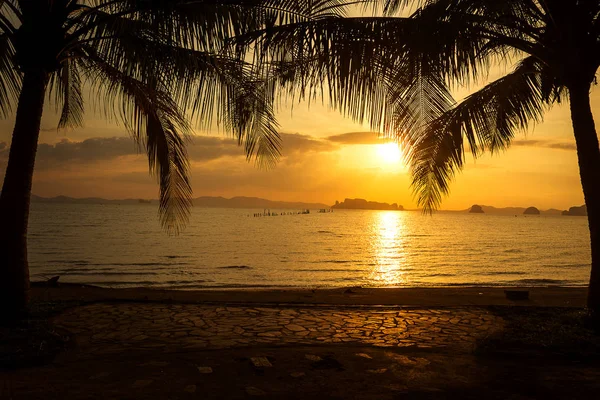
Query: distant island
[[204, 201], [478, 209], [475, 209], [531, 211], [362, 204], [580, 211]]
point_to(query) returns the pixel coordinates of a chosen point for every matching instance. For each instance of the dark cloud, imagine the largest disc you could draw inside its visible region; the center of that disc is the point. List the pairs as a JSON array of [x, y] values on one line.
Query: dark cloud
[[207, 148], [358, 138], [562, 146], [294, 143], [200, 149], [89, 150], [545, 144], [527, 143]]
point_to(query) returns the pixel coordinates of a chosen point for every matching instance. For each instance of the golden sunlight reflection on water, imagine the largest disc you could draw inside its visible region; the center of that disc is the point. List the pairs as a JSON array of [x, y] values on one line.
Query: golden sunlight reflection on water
[[124, 246], [388, 248]]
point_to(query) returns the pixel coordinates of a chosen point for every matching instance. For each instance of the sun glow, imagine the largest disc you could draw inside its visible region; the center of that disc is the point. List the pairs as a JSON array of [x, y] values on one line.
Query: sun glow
[[388, 243], [389, 153]]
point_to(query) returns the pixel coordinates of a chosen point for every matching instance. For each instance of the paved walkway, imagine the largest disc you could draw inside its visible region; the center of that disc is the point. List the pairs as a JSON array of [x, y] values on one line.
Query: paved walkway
[[101, 327], [190, 351]]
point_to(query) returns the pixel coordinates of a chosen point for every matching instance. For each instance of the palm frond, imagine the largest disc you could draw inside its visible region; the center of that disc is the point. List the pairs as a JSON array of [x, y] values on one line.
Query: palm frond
[[202, 24], [10, 77], [66, 85], [416, 96], [10, 16], [155, 63], [168, 161], [204, 85], [487, 121], [156, 123], [351, 55]]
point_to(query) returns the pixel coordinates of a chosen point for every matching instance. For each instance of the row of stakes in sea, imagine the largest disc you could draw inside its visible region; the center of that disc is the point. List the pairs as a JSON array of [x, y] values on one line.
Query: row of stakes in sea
[[269, 213]]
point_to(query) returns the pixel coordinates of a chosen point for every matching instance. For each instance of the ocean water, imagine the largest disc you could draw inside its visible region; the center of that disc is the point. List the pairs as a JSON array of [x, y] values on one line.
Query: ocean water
[[123, 246]]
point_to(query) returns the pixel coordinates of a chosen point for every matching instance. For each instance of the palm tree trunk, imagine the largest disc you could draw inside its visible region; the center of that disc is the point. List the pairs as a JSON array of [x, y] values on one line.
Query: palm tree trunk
[[16, 195], [588, 153]]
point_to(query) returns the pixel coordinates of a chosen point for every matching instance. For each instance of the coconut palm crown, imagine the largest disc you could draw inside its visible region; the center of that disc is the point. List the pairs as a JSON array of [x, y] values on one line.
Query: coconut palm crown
[[398, 70], [156, 66]]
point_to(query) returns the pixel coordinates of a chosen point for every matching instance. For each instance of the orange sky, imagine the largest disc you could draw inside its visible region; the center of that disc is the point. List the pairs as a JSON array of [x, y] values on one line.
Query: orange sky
[[325, 158]]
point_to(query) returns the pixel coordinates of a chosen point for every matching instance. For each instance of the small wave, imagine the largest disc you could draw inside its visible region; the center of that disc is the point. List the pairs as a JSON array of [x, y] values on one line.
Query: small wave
[[146, 283], [335, 262], [107, 273], [148, 264], [516, 283], [70, 270], [326, 232], [328, 270], [340, 279], [513, 251], [235, 267], [76, 262], [568, 266], [492, 273], [541, 281], [173, 257]]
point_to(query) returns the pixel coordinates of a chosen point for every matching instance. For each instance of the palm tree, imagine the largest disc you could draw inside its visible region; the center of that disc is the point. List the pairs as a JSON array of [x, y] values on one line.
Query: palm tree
[[397, 71], [155, 66]]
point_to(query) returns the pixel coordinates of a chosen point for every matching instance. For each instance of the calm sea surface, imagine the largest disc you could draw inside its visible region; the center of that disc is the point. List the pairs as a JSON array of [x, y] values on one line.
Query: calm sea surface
[[118, 246]]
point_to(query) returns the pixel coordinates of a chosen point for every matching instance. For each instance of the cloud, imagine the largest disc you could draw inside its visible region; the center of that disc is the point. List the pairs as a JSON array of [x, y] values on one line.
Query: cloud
[[88, 150], [207, 148], [295, 142], [570, 146], [200, 149], [358, 138], [563, 146]]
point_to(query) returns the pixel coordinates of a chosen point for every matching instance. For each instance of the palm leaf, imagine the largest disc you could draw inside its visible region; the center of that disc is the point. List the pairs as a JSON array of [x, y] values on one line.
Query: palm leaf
[[10, 78], [156, 123], [486, 120], [66, 85]]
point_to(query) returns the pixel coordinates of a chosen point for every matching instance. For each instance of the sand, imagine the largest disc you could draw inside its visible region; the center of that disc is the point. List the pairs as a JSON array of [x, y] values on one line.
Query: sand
[[414, 297]]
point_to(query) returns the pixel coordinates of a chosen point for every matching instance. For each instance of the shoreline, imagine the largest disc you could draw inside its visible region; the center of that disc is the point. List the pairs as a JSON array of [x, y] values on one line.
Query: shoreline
[[552, 296]]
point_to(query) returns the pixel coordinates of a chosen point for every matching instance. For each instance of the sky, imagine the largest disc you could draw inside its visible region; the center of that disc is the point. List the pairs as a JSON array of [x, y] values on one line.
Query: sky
[[326, 157]]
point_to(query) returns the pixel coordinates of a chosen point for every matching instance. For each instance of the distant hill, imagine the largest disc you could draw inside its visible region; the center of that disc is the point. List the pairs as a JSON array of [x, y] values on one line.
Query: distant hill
[[513, 210], [362, 204], [476, 209], [204, 201], [252, 202], [580, 211]]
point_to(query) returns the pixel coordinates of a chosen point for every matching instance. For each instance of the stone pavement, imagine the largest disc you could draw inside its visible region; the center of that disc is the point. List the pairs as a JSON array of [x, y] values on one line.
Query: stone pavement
[[101, 327], [192, 351]]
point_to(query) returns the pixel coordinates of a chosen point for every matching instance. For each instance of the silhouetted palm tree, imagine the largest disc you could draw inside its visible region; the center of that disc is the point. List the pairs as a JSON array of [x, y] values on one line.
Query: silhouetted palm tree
[[398, 70], [153, 65]]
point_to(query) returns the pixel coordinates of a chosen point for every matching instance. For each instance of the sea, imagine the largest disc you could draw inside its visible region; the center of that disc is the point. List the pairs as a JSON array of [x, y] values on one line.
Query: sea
[[124, 246]]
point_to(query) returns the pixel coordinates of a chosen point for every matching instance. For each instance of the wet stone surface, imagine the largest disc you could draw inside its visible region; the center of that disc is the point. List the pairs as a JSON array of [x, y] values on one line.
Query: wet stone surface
[[105, 327]]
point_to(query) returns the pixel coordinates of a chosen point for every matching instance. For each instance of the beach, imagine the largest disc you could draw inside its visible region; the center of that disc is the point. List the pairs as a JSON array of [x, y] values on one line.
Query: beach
[[351, 296]]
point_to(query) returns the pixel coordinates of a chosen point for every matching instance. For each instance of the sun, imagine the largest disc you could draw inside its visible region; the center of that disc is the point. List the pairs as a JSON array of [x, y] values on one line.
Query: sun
[[389, 153]]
